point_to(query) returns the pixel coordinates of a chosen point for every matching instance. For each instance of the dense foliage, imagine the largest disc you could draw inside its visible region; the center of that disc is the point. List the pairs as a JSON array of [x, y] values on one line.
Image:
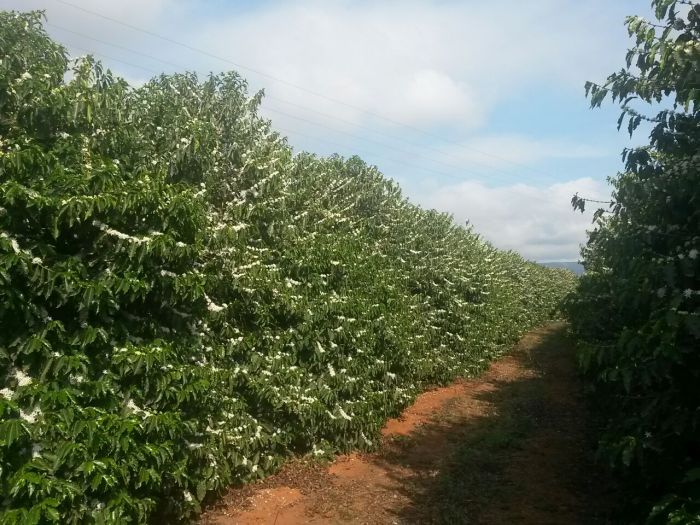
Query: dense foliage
[[184, 302], [638, 305]]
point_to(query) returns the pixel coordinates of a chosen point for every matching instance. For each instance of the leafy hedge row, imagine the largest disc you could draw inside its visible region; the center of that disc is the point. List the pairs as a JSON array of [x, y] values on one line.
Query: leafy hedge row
[[185, 302], [637, 308]]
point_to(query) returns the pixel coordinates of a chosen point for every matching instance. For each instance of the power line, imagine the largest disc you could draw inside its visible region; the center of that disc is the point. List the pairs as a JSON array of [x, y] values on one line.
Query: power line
[[395, 161], [91, 52], [390, 146], [296, 86], [360, 126], [359, 137], [112, 44], [594, 200], [299, 133], [367, 153], [293, 132], [320, 139]]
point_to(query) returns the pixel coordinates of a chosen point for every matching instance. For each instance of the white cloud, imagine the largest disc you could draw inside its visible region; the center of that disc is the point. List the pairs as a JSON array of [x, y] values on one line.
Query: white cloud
[[441, 66], [434, 96], [511, 151], [423, 63], [136, 12], [539, 223], [427, 64]]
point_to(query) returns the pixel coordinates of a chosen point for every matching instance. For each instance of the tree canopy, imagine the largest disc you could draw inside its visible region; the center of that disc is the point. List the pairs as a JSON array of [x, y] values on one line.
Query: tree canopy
[[185, 302], [638, 306]]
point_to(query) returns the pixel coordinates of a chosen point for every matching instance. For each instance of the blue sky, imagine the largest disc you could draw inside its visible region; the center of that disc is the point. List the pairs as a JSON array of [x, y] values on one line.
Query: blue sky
[[475, 108]]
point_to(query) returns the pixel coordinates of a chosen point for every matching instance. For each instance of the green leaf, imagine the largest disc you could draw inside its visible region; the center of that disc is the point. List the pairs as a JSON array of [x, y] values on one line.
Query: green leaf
[[12, 430], [201, 490]]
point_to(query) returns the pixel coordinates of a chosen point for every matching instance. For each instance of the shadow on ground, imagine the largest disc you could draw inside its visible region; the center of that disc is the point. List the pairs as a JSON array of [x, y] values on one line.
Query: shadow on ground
[[512, 446], [518, 449]]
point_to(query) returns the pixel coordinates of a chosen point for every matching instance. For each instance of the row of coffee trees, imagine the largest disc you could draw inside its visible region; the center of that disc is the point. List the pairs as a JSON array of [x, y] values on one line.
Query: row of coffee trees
[[185, 302], [637, 308]]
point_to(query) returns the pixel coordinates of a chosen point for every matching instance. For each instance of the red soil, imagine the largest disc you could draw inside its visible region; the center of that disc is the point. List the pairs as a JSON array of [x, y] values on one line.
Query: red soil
[[511, 446]]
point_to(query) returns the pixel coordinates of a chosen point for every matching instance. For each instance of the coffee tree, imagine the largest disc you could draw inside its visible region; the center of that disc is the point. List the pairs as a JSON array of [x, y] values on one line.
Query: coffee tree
[[185, 302], [637, 308]]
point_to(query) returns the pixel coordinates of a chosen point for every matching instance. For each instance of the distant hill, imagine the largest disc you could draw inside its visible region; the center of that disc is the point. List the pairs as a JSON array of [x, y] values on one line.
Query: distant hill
[[575, 267]]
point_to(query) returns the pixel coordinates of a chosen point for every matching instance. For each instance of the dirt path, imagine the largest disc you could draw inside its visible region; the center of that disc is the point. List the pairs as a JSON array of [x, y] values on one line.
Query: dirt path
[[511, 446]]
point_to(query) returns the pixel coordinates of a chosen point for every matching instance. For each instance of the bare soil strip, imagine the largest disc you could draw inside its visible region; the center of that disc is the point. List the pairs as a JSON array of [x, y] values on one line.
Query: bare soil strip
[[511, 446]]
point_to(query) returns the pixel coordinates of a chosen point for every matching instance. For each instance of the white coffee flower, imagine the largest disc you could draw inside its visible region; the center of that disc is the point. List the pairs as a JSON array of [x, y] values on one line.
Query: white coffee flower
[[30, 417], [211, 306], [343, 414], [133, 407], [22, 378], [7, 393]]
